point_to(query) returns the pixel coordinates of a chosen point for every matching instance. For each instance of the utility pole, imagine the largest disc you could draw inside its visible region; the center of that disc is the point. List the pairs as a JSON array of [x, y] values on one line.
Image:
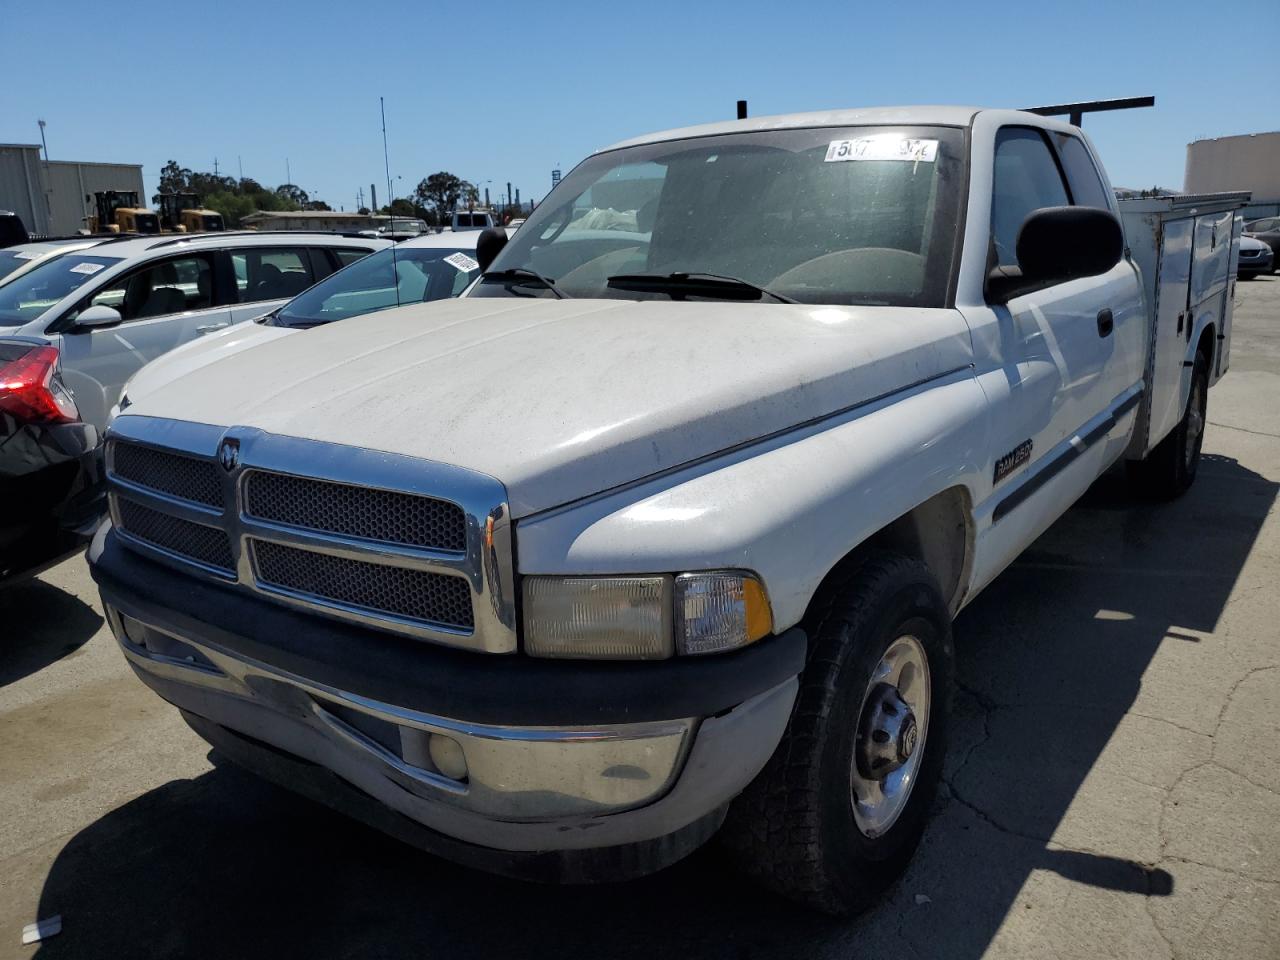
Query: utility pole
[[288, 175], [240, 166], [215, 166], [43, 141]]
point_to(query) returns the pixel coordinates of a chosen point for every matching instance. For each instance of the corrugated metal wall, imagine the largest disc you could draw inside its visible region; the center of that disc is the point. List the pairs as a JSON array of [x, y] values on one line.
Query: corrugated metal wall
[[70, 181], [49, 197], [22, 186]]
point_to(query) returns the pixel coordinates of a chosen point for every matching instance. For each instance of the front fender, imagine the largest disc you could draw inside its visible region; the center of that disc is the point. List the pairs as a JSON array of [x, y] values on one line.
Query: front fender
[[788, 508]]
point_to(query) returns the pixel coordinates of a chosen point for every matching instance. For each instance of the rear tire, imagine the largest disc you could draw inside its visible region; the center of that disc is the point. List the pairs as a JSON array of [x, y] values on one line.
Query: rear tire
[[836, 814], [1170, 469]]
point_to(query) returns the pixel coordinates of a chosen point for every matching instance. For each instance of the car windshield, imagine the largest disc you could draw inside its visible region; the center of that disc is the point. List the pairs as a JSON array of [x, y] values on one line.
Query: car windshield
[[26, 297], [11, 260], [388, 278], [862, 215]]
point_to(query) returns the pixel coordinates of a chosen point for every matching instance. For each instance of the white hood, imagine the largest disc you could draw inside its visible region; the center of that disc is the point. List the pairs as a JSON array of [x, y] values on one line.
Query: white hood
[[560, 399], [179, 362]]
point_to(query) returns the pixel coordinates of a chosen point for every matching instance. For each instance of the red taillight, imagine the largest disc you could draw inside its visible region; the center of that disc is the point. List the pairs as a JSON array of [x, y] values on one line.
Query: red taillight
[[32, 391]]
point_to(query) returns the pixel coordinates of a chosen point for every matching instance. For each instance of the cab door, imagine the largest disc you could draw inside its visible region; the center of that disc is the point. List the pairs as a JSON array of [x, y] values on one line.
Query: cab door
[[1077, 346], [1068, 357], [163, 304]]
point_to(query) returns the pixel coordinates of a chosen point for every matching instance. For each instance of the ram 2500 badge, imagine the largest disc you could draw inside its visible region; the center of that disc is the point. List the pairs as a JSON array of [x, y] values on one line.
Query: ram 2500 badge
[[659, 531]]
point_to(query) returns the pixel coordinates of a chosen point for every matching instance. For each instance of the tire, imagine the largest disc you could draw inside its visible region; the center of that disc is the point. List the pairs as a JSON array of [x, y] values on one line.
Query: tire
[[1170, 469], [794, 828]]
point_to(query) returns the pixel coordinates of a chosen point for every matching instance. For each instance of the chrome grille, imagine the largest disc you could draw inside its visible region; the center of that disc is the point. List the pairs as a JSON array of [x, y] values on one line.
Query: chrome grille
[[184, 477], [206, 545], [386, 540], [417, 594], [354, 511]]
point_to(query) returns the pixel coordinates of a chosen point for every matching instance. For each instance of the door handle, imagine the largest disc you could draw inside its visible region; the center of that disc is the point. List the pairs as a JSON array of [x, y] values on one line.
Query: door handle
[[210, 327], [1106, 322]]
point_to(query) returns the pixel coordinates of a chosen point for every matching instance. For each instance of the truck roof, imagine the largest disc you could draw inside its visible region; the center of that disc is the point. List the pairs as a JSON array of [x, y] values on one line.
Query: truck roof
[[946, 116]]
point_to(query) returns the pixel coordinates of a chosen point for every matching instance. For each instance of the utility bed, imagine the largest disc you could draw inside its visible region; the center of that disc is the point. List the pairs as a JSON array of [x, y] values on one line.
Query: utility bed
[[1185, 248]]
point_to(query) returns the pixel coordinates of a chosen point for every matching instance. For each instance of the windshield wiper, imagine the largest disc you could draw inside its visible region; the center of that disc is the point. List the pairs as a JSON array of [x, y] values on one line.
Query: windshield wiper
[[679, 285], [515, 274]]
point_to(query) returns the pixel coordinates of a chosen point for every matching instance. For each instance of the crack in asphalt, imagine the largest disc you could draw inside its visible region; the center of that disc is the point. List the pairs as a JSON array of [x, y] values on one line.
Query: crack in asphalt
[[987, 706], [1256, 433]]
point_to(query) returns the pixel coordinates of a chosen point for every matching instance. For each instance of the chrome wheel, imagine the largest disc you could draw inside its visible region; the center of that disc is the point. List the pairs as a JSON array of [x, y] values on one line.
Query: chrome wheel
[[893, 725], [1195, 422]]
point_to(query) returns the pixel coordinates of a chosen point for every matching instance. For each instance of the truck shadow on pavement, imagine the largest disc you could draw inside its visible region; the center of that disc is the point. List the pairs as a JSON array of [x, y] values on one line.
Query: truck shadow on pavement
[[1052, 660], [39, 624]]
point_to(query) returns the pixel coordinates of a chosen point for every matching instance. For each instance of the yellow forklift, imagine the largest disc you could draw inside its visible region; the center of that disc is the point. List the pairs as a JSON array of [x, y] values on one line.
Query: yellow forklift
[[182, 213], [117, 211]]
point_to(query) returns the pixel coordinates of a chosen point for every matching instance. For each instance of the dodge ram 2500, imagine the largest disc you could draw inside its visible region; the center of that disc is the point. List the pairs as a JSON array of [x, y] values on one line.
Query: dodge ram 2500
[[659, 531]]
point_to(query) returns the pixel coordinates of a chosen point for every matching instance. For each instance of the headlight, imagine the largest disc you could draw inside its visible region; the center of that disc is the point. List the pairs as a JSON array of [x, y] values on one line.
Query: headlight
[[643, 618]]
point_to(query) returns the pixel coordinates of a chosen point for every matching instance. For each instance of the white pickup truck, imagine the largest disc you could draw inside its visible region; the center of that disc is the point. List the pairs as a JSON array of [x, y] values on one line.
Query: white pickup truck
[[659, 531]]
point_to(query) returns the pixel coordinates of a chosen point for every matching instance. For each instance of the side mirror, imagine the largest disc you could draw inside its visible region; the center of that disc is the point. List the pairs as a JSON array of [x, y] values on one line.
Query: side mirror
[[1057, 244], [488, 245], [98, 316]]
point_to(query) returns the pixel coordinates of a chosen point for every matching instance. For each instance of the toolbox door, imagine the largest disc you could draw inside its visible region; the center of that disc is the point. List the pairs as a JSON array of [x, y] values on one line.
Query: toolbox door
[[1228, 302], [1172, 320]]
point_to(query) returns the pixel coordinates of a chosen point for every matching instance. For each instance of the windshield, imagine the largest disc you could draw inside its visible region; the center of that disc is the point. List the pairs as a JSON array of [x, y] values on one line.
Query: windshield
[[11, 260], [26, 297], [379, 281], [863, 215]]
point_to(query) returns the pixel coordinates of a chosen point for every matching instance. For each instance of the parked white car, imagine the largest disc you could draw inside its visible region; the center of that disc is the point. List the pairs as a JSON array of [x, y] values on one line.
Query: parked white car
[[114, 307], [660, 529], [433, 267], [23, 257]]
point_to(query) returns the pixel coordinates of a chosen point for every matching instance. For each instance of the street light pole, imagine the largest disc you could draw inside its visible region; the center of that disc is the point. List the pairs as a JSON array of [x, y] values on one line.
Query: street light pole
[[43, 142]]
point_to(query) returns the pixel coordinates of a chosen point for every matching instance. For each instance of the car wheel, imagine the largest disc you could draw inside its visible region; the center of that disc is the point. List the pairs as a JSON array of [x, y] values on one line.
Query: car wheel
[[1169, 470], [836, 814]]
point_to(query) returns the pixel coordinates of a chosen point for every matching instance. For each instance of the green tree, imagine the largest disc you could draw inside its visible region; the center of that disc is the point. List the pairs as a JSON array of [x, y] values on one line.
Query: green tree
[[292, 192], [174, 178], [442, 191]]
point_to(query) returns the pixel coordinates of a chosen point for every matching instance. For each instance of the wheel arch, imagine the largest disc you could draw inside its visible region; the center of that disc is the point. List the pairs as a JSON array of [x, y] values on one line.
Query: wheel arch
[[1207, 343], [939, 532]]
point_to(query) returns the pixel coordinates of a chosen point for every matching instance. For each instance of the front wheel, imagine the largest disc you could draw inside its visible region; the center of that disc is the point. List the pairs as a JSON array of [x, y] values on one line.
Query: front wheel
[[836, 814], [1170, 469]]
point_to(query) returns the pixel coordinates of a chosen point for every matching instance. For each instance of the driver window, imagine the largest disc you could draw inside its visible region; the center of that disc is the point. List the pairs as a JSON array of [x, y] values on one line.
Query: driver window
[[1026, 178], [172, 286]]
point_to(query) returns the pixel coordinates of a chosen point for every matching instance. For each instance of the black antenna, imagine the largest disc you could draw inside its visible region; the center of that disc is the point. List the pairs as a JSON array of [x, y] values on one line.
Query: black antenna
[[742, 109], [386, 161]]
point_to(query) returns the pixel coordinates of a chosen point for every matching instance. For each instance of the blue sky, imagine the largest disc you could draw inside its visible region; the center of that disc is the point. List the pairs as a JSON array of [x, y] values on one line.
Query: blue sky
[[147, 82]]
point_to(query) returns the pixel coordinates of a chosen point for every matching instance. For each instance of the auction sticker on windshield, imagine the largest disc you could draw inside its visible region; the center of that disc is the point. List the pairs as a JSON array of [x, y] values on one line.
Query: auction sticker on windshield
[[86, 268], [887, 147], [462, 262]]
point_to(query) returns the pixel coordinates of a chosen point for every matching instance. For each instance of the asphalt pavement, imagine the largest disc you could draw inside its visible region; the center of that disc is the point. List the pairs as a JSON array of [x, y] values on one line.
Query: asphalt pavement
[[1113, 787]]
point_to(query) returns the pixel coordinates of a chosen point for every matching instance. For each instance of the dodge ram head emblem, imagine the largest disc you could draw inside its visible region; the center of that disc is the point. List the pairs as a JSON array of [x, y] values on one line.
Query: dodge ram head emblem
[[229, 455]]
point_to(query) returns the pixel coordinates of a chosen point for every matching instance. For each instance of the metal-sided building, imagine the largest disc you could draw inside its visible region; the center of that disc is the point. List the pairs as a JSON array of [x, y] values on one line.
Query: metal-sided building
[[1247, 162], [49, 196]]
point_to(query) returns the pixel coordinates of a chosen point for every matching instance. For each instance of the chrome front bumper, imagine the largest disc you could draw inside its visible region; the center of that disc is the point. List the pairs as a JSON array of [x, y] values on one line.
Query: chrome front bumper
[[500, 787]]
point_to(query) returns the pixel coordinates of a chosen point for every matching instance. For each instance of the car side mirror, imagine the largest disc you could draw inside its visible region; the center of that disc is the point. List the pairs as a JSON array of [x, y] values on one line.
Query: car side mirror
[[1057, 244], [488, 245], [98, 316]]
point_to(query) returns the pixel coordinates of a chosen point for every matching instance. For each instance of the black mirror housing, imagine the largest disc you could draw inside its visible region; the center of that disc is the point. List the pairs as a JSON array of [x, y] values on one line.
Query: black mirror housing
[[1057, 244], [488, 245]]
